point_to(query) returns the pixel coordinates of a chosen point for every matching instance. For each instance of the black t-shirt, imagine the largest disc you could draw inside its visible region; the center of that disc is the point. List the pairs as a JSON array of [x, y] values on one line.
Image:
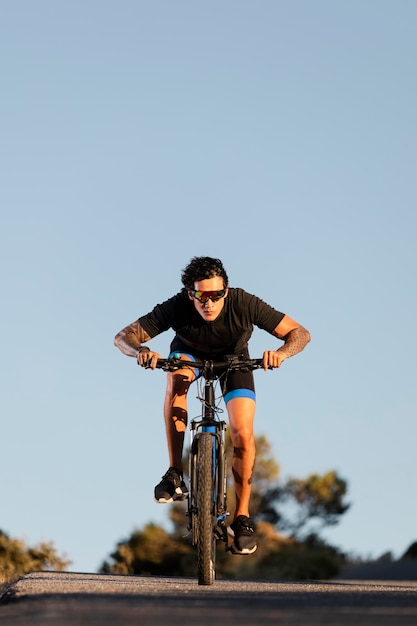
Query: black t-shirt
[[229, 333]]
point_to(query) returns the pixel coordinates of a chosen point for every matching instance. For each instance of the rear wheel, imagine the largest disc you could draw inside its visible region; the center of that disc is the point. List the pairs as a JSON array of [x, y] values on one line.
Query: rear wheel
[[206, 540]]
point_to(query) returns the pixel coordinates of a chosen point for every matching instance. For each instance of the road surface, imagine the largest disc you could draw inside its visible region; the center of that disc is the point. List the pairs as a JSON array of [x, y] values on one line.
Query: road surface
[[64, 599]]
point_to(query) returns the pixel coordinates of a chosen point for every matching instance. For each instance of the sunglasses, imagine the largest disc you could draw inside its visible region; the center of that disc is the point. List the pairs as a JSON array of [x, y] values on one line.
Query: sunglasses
[[205, 296]]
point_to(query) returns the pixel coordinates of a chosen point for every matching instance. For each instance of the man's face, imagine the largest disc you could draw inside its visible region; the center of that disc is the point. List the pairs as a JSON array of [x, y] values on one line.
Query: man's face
[[209, 310]]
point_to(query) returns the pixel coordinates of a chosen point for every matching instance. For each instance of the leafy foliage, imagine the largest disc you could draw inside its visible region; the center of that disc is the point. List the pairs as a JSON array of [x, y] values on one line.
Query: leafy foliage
[[319, 497], [17, 558], [149, 551], [411, 552], [305, 506]]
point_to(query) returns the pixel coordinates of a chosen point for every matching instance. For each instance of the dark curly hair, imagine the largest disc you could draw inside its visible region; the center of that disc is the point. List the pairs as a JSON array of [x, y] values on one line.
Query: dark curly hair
[[200, 268]]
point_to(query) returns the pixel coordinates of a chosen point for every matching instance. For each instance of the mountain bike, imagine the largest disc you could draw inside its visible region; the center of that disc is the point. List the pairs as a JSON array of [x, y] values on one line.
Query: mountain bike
[[207, 506]]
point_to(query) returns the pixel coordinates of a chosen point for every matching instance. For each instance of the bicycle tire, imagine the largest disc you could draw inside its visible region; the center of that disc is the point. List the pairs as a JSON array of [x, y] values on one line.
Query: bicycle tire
[[206, 540]]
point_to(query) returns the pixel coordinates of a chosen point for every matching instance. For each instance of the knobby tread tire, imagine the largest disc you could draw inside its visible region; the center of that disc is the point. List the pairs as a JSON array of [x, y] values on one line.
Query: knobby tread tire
[[206, 542]]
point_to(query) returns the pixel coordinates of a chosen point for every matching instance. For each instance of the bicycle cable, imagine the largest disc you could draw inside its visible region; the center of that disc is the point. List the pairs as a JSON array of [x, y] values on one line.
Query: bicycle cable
[[217, 399]]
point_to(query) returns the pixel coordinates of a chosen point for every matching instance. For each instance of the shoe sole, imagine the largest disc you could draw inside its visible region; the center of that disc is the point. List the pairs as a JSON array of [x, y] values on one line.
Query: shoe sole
[[175, 498], [244, 552]]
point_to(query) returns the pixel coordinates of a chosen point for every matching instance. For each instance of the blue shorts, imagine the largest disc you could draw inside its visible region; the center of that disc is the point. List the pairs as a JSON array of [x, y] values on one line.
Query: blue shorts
[[235, 384]]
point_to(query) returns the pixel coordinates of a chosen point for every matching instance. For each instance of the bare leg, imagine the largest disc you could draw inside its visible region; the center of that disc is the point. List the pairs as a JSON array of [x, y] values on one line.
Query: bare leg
[[241, 413], [175, 413]]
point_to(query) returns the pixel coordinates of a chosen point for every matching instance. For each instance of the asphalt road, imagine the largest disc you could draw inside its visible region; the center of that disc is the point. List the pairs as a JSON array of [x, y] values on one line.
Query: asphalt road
[[64, 599]]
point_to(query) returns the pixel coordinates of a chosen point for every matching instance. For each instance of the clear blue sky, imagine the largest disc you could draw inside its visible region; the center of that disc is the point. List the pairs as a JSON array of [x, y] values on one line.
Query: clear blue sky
[[279, 136]]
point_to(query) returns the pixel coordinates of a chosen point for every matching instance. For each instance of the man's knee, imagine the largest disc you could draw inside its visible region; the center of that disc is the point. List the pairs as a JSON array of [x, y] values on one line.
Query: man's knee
[[178, 383], [243, 441]]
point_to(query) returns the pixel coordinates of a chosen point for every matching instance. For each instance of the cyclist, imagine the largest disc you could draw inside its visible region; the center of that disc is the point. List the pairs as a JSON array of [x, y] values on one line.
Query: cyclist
[[212, 320]]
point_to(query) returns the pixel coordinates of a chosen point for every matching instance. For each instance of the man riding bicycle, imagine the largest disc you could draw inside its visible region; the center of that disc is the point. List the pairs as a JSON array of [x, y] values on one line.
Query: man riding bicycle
[[212, 320]]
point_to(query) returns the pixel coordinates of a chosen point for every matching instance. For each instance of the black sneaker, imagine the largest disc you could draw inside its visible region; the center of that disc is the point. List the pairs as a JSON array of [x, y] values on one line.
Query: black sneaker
[[172, 487], [243, 532]]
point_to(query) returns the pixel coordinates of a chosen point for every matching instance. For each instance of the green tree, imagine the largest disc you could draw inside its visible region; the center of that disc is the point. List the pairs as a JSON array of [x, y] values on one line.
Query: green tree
[[17, 558], [319, 497], [411, 552], [305, 506], [151, 551]]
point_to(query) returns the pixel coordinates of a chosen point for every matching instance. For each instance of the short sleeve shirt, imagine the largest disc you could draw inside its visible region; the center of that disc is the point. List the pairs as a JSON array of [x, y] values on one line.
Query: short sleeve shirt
[[229, 333]]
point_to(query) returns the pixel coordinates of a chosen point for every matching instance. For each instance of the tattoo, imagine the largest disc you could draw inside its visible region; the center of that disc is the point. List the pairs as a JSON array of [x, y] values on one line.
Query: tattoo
[[129, 339], [135, 332], [250, 481], [295, 341], [237, 477], [238, 452]]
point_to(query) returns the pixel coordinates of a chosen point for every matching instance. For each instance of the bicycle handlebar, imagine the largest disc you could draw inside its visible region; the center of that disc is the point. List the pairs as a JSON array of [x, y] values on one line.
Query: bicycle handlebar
[[233, 362]]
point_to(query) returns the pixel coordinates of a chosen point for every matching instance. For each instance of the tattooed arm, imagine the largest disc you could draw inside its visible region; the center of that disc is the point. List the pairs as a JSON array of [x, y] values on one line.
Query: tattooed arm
[[129, 340], [295, 337]]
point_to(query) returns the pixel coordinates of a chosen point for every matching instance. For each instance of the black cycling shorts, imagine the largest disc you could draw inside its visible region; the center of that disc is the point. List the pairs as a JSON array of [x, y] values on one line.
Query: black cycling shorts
[[234, 384]]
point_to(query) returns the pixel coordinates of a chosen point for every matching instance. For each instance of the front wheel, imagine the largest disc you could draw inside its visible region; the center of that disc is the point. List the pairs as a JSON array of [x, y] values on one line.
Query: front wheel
[[206, 540]]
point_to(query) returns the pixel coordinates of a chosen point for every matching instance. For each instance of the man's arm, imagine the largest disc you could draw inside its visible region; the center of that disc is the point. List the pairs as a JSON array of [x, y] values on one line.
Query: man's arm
[[295, 338], [129, 340]]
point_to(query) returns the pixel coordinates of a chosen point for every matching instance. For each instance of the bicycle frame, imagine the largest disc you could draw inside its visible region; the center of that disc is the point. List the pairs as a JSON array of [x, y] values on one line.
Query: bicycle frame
[[209, 423]]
